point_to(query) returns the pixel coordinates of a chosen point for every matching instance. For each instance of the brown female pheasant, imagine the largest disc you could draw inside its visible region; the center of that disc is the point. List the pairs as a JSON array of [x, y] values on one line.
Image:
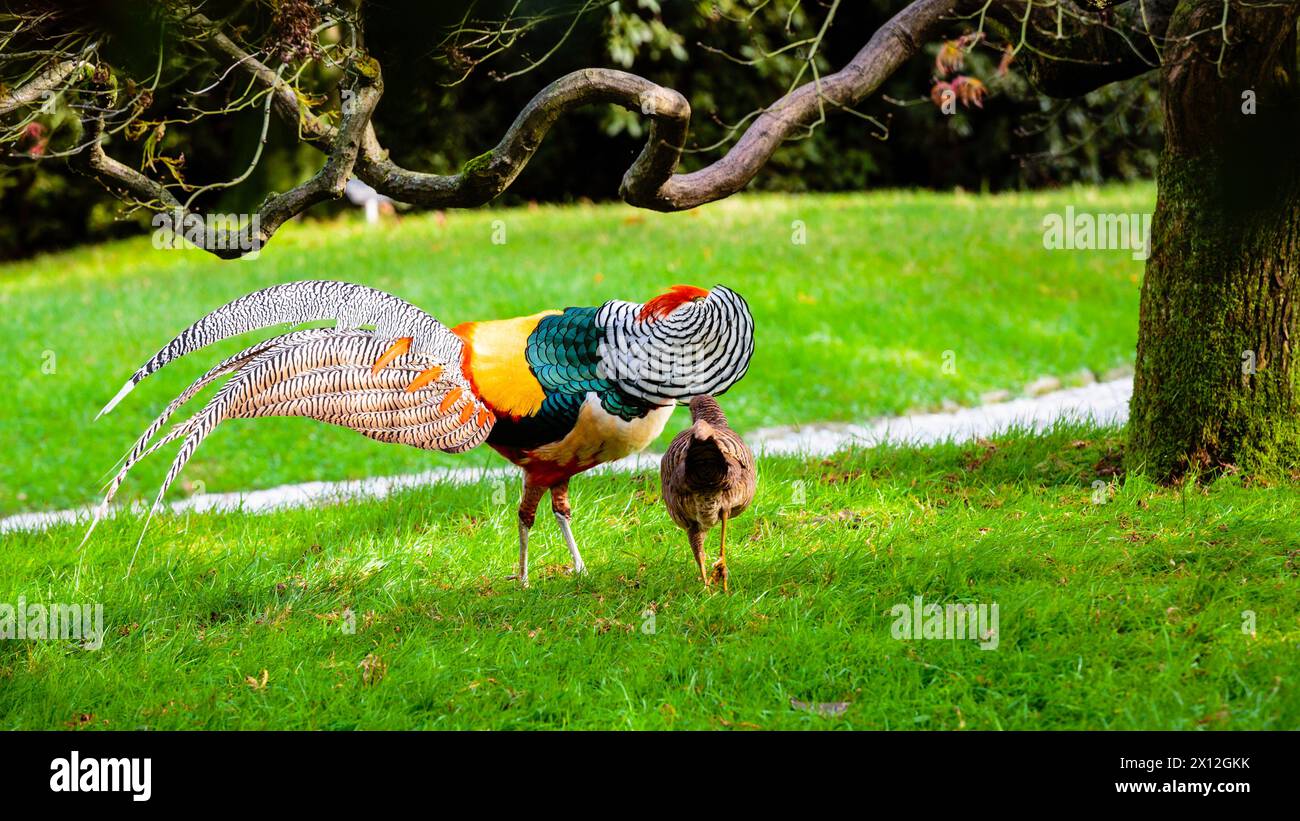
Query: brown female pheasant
[[706, 477]]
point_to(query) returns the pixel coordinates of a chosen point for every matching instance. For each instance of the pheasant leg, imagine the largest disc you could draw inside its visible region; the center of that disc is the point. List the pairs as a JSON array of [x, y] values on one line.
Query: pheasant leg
[[720, 566], [522, 575], [527, 515], [563, 515], [578, 566], [697, 547]]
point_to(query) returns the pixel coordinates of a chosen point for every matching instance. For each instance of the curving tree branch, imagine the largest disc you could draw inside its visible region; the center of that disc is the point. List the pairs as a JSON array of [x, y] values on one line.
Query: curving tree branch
[[650, 182], [893, 44], [484, 177]]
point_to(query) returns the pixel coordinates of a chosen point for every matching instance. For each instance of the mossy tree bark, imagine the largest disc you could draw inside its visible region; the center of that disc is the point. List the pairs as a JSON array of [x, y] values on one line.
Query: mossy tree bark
[[1216, 379]]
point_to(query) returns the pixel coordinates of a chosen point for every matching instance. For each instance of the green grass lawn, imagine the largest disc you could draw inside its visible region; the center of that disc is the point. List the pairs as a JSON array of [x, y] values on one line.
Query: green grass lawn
[[851, 324], [1123, 614]]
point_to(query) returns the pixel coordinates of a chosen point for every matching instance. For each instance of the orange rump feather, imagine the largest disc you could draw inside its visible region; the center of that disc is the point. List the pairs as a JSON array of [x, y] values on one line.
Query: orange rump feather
[[449, 400], [664, 304]]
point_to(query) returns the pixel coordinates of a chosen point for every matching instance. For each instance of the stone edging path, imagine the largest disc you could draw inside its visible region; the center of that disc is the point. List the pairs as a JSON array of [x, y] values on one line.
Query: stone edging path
[[1102, 402]]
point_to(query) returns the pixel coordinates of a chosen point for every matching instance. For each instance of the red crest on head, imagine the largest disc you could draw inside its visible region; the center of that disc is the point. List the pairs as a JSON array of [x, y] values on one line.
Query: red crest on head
[[664, 304]]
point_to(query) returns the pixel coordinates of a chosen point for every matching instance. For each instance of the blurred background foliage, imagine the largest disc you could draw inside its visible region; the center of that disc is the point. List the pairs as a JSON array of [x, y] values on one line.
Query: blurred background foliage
[[446, 101]]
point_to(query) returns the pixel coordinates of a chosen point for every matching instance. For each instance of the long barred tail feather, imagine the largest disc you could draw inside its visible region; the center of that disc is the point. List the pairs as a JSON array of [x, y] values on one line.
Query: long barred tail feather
[[323, 374], [142, 446], [352, 306]]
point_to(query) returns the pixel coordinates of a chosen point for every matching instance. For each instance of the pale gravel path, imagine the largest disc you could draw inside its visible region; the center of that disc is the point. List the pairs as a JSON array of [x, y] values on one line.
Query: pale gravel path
[[1102, 402]]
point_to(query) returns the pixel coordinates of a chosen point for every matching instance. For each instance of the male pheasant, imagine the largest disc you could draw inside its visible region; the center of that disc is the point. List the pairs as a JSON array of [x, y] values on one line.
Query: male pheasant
[[556, 393]]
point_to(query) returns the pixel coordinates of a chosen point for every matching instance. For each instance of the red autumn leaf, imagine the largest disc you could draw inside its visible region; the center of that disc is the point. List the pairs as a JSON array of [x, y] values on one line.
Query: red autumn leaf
[[36, 134], [949, 59], [937, 92], [970, 91]]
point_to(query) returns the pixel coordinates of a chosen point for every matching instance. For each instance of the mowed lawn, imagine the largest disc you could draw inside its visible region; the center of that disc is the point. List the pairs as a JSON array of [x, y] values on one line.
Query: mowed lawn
[[1135, 608], [852, 322]]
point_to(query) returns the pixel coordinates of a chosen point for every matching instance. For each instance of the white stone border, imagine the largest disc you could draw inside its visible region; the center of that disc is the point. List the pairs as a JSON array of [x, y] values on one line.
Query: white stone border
[[1103, 402]]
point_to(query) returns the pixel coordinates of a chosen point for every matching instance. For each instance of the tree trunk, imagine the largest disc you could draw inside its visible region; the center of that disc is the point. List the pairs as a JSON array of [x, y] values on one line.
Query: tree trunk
[[1216, 380]]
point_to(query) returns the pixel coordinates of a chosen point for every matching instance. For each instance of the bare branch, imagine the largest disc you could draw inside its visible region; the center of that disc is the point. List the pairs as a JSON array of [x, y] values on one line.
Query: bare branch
[[1066, 53], [41, 86], [358, 104]]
